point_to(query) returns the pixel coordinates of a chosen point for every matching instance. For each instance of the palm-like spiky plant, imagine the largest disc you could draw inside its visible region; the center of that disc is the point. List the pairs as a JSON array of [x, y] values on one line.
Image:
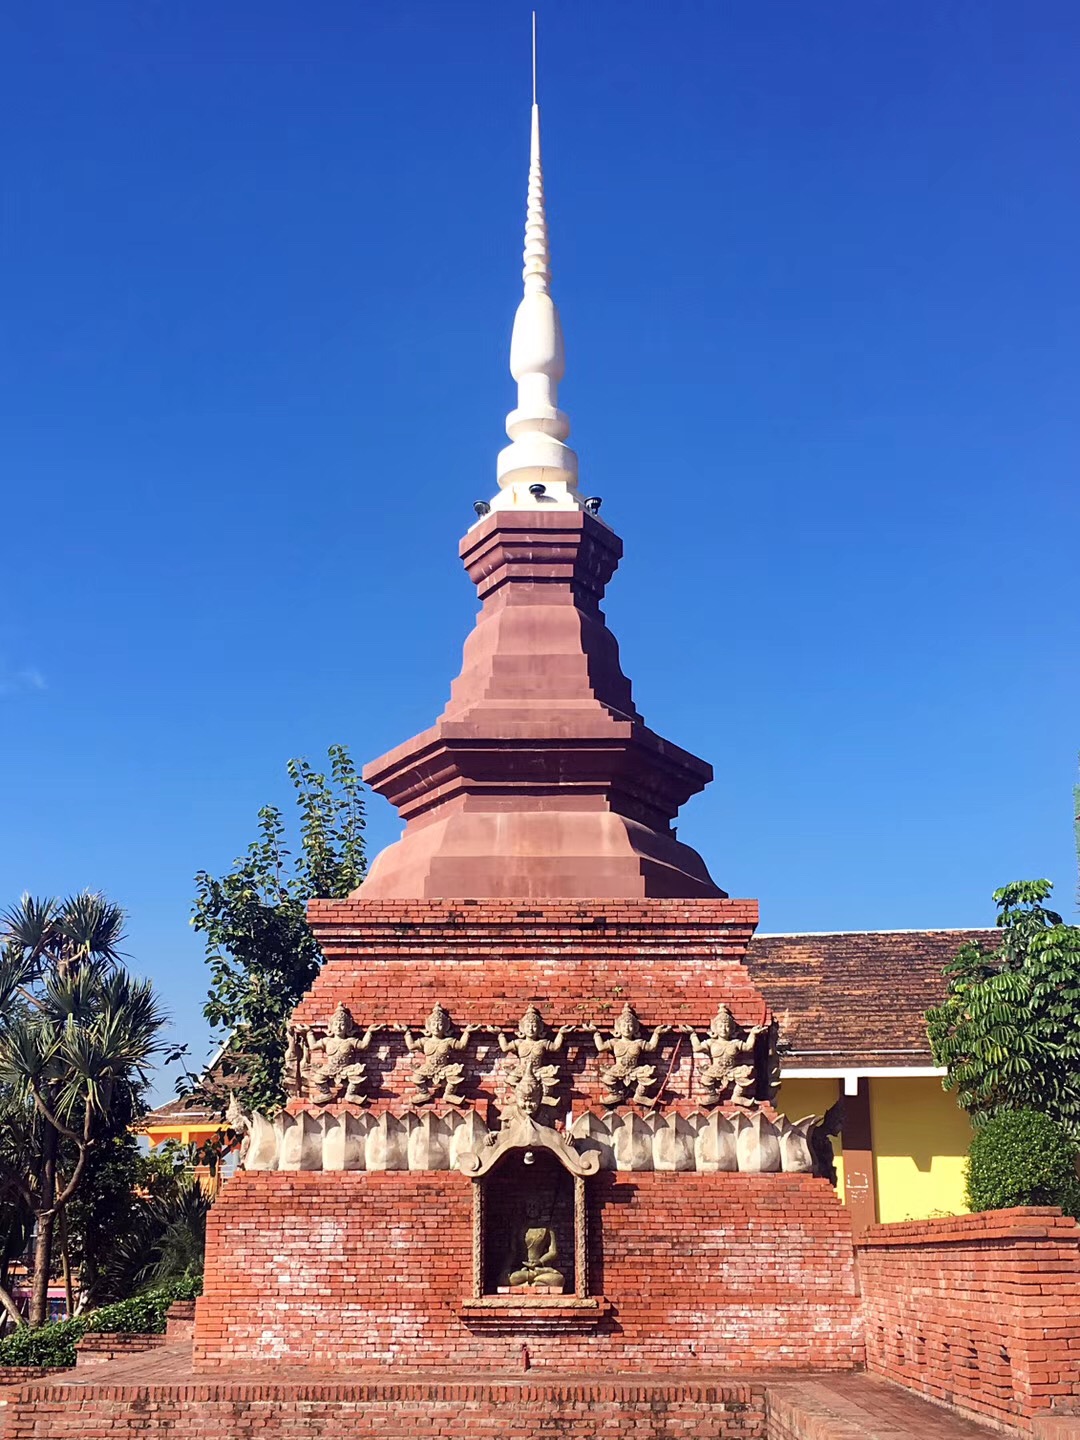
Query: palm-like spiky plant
[[74, 1026]]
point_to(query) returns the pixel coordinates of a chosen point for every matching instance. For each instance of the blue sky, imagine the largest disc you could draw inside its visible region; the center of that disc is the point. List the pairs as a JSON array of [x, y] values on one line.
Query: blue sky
[[816, 266]]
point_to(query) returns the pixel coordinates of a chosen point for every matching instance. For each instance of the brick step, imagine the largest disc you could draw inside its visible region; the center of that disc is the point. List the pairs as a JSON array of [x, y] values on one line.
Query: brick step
[[158, 1392], [858, 1407]]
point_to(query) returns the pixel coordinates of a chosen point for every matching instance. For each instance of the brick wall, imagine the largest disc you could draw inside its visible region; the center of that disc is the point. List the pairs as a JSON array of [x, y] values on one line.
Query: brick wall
[[12, 1379], [100, 1346], [487, 961], [368, 1270], [401, 1412], [980, 1311]]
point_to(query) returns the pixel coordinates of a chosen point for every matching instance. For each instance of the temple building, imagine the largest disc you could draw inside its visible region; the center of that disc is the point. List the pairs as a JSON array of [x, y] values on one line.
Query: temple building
[[536, 1054]]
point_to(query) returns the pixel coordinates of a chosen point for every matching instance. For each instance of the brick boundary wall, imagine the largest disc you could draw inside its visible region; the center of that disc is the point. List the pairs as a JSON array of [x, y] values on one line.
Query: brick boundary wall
[[368, 1270], [12, 1380], [981, 1312], [393, 1411]]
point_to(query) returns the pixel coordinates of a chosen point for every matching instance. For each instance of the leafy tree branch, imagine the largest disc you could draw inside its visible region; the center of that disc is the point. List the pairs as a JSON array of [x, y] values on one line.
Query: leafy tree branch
[[261, 952]]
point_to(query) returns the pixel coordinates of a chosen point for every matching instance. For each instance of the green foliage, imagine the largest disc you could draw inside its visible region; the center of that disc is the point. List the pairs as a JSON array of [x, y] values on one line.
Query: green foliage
[[146, 1224], [77, 1034], [260, 949], [55, 1344], [1008, 1031], [1021, 1157]]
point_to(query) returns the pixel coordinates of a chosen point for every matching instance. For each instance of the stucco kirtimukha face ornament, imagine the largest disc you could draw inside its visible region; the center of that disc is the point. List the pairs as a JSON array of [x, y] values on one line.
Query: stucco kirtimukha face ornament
[[434, 1071]]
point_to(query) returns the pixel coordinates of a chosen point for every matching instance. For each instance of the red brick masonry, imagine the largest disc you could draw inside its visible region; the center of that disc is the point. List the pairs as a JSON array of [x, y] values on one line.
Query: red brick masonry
[[674, 960], [980, 1311], [402, 1410], [163, 1397], [369, 1270]]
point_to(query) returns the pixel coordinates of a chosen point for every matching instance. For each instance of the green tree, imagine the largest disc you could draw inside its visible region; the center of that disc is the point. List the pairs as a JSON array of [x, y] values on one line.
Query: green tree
[[77, 1033], [259, 946], [1022, 1157], [1008, 1031], [142, 1225]]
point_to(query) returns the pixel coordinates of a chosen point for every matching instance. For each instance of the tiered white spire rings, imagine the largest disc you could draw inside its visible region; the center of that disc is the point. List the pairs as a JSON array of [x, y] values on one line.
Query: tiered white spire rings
[[536, 456]]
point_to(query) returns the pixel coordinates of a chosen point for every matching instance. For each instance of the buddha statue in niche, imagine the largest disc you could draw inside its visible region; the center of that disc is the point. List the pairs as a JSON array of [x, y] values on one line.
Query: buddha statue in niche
[[537, 1250]]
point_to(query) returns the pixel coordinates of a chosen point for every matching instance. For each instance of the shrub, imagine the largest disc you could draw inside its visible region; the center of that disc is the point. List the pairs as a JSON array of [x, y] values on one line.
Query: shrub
[[1022, 1157], [55, 1344]]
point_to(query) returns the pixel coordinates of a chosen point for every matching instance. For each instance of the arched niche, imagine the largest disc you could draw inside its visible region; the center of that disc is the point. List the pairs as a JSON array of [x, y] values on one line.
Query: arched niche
[[530, 1226], [530, 1180]]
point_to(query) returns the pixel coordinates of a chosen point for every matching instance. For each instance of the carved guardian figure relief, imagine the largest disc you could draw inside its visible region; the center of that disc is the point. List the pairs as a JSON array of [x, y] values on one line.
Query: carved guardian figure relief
[[532, 1083], [324, 1063], [628, 1081], [435, 1071], [730, 1072], [326, 1067]]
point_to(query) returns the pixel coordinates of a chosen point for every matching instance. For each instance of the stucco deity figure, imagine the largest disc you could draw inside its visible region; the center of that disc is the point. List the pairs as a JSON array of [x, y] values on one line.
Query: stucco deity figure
[[435, 1045], [533, 1083], [629, 1081], [534, 1264], [730, 1071], [330, 1064], [239, 1120]]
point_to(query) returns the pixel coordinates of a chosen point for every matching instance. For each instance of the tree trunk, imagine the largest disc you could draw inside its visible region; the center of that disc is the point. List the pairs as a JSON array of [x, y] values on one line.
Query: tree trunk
[[39, 1292], [65, 1261], [11, 1310]]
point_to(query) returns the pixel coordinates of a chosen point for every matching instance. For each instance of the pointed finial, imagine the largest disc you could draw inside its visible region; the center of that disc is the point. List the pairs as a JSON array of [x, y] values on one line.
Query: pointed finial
[[537, 470]]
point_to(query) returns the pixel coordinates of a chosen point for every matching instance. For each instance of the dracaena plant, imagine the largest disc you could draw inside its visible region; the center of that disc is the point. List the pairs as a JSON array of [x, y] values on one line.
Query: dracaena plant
[[76, 1030]]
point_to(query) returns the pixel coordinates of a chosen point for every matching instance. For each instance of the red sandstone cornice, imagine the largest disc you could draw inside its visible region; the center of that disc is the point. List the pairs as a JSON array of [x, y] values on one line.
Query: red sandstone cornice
[[560, 547], [540, 777]]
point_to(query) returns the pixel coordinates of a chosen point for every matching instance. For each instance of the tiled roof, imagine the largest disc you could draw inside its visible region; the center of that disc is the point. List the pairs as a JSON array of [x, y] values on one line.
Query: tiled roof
[[180, 1112], [856, 998]]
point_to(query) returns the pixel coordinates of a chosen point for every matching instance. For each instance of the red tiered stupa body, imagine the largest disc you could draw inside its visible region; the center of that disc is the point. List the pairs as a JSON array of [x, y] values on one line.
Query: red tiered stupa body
[[538, 867], [540, 778]]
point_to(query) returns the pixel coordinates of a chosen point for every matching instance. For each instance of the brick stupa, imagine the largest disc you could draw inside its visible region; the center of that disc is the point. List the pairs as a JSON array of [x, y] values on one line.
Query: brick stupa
[[530, 1090]]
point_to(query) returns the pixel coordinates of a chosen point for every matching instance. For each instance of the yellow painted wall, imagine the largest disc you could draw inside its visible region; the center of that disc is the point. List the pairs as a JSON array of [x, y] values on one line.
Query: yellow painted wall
[[799, 1098], [183, 1134], [920, 1139]]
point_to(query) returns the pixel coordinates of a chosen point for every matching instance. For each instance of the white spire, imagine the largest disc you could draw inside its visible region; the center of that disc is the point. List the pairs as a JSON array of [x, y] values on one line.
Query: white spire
[[537, 427]]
